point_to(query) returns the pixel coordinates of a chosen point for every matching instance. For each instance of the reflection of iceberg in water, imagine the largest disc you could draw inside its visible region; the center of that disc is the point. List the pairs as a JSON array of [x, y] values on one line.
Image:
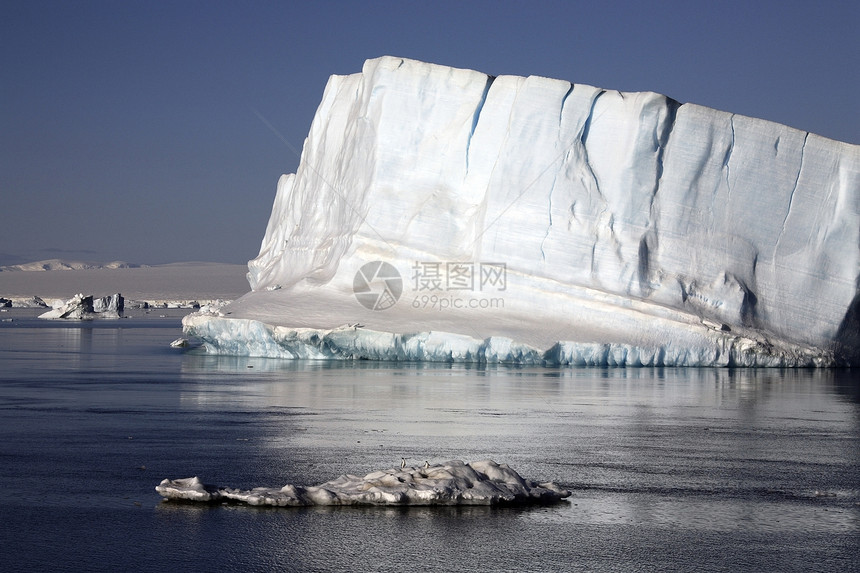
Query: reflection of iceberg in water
[[449, 483], [78, 340], [722, 382], [77, 346]]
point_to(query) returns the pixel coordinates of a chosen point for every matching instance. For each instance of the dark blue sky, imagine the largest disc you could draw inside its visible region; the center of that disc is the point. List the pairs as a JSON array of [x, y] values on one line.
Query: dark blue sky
[[129, 130]]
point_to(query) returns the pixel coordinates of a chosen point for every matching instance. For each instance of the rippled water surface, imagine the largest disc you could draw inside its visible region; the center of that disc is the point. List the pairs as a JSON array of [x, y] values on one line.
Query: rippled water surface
[[671, 469]]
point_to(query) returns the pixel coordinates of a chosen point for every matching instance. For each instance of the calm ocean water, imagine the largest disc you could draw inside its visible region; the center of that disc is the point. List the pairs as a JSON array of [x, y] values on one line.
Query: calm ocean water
[[672, 469]]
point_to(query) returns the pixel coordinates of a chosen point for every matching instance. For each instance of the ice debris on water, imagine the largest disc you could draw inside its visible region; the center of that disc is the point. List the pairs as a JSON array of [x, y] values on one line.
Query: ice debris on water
[[450, 483]]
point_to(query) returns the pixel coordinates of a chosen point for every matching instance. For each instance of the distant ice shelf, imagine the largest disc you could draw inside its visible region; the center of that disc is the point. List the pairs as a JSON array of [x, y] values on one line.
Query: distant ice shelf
[[457, 216], [449, 483]]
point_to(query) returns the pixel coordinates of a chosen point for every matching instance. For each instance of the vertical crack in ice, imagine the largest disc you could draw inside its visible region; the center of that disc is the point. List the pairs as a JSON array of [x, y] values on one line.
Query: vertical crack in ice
[[661, 142], [549, 225], [753, 266], [791, 197], [549, 215], [587, 126], [662, 138], [728, 154], [476, 116], [549, 209], [563, 100], [524, 190], [593, 249], [555, 178], [583, 138]]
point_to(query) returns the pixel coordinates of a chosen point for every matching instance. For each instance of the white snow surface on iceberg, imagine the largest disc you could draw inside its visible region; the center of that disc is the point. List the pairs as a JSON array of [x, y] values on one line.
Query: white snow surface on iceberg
[[449, 483], [631, 229]]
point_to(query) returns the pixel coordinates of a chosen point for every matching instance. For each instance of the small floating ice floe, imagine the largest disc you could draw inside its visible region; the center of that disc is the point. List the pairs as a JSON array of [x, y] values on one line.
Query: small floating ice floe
[[449, 483]]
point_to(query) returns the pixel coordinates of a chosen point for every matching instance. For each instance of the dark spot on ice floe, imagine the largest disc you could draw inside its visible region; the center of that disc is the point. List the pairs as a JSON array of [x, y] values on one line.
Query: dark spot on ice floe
[[776, 145]]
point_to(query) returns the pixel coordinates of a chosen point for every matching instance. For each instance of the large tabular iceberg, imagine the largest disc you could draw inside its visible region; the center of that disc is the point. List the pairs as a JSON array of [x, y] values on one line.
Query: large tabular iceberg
[[443, 214]]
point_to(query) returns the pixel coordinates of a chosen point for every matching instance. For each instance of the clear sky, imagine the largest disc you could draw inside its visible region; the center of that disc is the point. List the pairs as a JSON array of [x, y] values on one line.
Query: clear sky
[[132, 129]]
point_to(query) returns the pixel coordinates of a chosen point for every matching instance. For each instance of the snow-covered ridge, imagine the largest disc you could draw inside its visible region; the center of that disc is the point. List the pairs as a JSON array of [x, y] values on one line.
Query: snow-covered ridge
[[621, 221], [449, 483], [63, 265], [158, 286]]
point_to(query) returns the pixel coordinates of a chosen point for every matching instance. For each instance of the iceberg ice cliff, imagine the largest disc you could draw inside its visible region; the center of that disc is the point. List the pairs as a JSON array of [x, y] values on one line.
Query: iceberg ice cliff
[[443, 214]]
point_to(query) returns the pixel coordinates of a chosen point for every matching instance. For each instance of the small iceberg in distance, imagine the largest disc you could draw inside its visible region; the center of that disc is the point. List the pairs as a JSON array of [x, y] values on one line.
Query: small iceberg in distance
[[450, 483], [81, 307]]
